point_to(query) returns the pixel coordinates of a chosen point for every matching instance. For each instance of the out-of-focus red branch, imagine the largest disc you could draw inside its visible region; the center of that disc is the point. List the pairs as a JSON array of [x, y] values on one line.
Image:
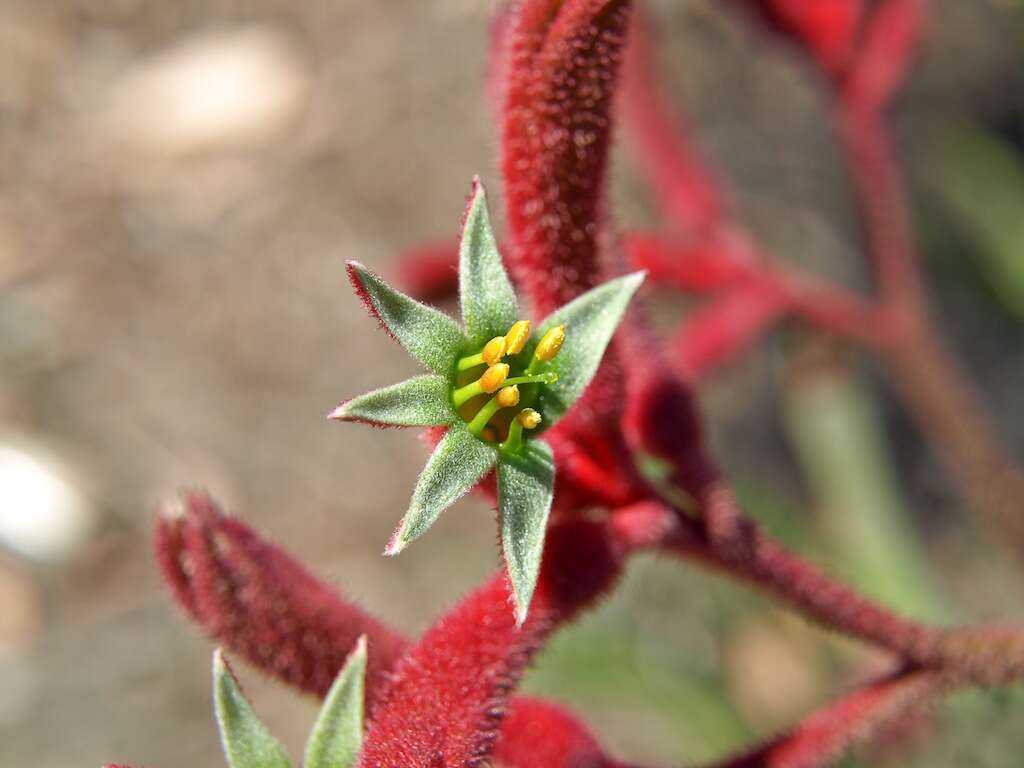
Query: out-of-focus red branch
[[899, 327], [924, 371], [684, 188], [430, 272], [726, 326], [713, 253], [826, 29], [827, 733], [748, 294], [724, 539]]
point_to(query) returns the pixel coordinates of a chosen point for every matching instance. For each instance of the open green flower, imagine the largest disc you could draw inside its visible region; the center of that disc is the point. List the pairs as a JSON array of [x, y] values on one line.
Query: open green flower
[[494, 386]]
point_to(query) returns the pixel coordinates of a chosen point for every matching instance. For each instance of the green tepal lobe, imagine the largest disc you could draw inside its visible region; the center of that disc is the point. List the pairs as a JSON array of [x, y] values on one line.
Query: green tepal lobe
[[427, 334], [525, 491], [590, 321], [485, 292], [458, 462], [337, 735], [246, 741], [422, 401]]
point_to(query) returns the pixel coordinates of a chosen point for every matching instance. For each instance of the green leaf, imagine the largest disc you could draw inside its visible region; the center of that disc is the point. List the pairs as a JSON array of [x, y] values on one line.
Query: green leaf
[[488, 299], [337, 735], [246, 741], [980, 178], [525, 488], [430, 336], [590, 321], [455, 466], [422, 401]]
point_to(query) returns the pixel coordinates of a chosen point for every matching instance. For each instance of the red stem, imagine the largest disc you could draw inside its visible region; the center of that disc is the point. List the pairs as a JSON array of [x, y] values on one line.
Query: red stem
[[925, 373], [828, 732], [729, 542]]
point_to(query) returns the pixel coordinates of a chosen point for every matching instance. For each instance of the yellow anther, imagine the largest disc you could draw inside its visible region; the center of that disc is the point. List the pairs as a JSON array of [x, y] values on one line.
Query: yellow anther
[[509, 396], [494, 350], [529, 418], [550, 343], [516, 337], [494, 377]]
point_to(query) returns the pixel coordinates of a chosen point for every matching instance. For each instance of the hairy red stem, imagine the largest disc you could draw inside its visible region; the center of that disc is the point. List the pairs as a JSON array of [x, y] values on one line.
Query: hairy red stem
[[443, 705], [563, 63]]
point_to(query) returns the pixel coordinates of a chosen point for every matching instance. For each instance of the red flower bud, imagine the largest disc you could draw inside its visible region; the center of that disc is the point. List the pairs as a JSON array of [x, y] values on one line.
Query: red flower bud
[[563, 59], [262, 605]]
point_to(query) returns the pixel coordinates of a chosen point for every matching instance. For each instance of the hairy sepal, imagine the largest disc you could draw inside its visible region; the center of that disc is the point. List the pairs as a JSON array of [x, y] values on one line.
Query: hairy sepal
[[426, 333], [246, 741], [525, 490], [458, 463], [337, 735], [590, 321], [423, 401], [487, 296]]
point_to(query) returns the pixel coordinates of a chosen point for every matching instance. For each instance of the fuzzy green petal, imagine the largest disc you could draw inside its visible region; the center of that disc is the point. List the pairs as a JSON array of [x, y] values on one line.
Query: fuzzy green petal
[[455, 466], [488, 300], [590, 321], [525, 489], [430, 336], [422, 401], [246, 741], [337, 735]]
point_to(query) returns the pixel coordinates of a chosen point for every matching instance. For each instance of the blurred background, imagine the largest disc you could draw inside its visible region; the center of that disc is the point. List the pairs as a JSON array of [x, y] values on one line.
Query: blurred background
[[180, 185]]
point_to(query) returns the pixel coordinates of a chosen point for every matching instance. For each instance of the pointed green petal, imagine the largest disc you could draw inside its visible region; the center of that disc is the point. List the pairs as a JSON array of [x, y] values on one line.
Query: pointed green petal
[[488, 300], [422, 401], [246, 741], [590, 321], [430, 336], [525, 488], [338, 733], [455, 466]]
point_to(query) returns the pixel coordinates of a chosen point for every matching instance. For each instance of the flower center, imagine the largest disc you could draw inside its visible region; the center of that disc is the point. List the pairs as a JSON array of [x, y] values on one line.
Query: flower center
[[487, 393]]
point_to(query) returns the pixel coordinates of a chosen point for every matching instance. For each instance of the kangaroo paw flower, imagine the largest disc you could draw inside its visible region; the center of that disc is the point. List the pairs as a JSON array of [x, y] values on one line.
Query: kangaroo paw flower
[[492, 385]]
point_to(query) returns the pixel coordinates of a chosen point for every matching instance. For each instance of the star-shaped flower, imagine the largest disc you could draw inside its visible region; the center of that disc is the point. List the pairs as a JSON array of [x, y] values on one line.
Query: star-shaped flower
[[493, 385]]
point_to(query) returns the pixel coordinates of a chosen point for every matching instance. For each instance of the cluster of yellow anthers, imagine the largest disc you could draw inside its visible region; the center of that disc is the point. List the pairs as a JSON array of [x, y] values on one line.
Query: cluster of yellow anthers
[[489, 418]]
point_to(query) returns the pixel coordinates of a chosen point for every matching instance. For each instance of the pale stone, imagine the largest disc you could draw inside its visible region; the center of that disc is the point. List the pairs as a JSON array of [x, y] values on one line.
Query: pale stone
[[213, 89]]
